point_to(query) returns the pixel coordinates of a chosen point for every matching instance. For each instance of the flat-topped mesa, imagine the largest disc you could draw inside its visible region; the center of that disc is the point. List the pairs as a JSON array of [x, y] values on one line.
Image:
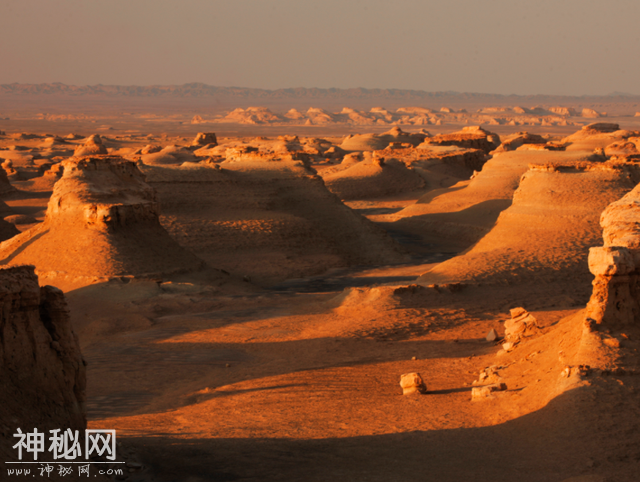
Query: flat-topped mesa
[[602, 127], [92, 146], [471, 137], [42, 372], [101, 222]]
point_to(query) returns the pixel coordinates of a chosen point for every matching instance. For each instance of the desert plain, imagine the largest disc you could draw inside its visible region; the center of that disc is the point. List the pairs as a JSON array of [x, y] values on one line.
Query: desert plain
[[239, 289]]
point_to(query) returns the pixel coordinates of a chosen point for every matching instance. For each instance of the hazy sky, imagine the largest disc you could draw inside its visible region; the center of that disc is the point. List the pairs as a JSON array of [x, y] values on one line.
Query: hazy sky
[[571, 47]]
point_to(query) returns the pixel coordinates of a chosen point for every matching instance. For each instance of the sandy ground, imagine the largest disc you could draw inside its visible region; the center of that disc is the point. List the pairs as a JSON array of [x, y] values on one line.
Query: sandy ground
[[299, 381]]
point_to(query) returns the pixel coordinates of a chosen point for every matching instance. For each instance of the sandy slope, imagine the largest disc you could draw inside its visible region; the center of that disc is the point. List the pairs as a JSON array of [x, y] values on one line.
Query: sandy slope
[[269, 220], [544, 236]]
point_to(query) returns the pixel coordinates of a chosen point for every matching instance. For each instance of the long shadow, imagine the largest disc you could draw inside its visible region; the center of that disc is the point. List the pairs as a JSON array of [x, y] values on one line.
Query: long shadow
[[483, 214], [566, 438], [152, 361], [369, 211], [337, 284]]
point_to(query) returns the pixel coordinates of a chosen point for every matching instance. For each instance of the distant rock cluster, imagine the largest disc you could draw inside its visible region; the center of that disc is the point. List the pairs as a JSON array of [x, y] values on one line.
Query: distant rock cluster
[[416, 116]]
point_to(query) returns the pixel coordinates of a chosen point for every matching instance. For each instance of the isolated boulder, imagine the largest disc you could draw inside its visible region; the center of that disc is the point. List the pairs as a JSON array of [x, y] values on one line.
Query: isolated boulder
[[521, 324], [412, 383]]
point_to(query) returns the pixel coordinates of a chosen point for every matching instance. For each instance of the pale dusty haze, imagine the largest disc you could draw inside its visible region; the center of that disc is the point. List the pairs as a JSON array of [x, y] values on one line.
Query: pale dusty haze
[[572, 47]]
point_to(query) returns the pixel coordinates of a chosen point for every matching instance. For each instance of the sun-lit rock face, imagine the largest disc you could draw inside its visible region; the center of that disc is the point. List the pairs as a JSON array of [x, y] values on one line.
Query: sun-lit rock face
[[42, 372], [613, 311], [471, 137], [101, 221], [615, 301]]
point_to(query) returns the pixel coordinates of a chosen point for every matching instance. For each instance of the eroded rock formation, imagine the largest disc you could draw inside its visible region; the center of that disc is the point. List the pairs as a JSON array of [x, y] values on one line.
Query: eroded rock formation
[[372, 142], [472, 137], [101, 221], [42, 373], [92, 146], [614, 303], [545, 233], [279, 210]]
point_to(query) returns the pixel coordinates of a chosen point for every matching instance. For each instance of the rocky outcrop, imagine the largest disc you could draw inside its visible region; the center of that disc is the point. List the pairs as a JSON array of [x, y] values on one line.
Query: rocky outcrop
[[204, 139], [514, 141], [464, 213], [42, 372], [168, 155], [472, 137], [276, 154], [597, 135], [615, 300], [374, 177], [564, 111], [591, 113], [5, 185], [612, 313], [231, 213], [544, 235], [252, 115], [101, 222], [92, 146], [373, 142], [628, 148]]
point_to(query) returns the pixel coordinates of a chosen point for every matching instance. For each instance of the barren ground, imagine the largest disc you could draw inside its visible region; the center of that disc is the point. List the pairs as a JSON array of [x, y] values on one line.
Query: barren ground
[[290, 382]]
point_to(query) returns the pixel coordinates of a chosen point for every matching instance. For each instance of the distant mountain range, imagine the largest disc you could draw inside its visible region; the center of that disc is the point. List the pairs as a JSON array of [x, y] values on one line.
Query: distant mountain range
[[197, 98], [230, 93]]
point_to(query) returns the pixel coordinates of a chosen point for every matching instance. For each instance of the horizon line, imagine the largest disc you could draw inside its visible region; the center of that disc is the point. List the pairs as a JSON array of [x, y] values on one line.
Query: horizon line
[[5, 86]]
